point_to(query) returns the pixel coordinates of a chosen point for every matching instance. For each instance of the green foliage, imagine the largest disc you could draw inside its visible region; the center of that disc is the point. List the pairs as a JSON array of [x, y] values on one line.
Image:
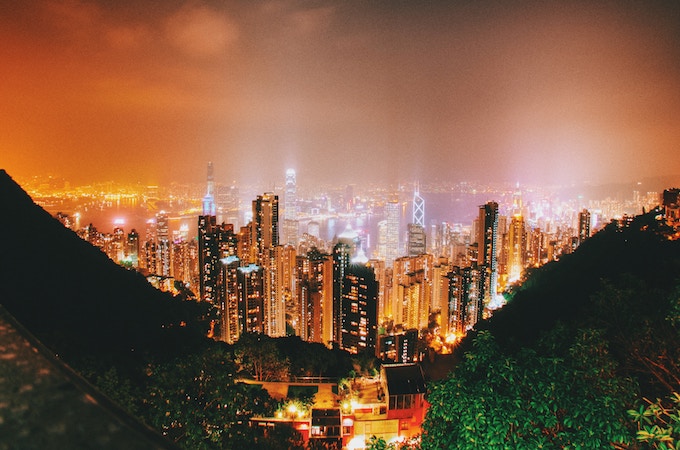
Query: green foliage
[[528, 400], [258, 356], [658, 423], [195, 402]]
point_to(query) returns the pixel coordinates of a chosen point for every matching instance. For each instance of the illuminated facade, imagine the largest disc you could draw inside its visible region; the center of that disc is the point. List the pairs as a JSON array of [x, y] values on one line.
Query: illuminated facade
[[487, 250], [264, 232], [392, 227], [359, 309], [251, 299], [516, 248], [416, 244], [418, 208], [290, 221], [583, 226]]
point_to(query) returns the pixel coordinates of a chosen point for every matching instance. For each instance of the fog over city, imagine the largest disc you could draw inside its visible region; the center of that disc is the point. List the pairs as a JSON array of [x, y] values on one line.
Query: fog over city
[[535, 92]]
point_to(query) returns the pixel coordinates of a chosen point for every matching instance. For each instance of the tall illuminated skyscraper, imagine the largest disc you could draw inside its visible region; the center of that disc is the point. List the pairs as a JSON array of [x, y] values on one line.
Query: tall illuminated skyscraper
[[487, 257], [264, 233], [291, 195], [359, 309], [517, 248], [209, 199], [392, 227], [290, 221], [418, 207]]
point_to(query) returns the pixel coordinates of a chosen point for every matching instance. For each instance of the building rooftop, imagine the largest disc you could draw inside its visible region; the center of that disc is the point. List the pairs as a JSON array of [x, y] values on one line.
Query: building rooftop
[[404, 379]]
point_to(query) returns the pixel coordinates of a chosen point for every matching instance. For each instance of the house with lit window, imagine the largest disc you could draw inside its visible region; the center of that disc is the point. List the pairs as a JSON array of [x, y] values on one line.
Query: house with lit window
[[391, 406]]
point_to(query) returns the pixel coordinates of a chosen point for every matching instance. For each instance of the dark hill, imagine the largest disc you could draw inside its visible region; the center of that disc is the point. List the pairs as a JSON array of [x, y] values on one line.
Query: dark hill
[[624, 281], [75, 299]]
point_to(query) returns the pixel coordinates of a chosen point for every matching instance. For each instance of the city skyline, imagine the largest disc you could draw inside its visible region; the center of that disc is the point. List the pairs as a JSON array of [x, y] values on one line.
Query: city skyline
[[344, 92]]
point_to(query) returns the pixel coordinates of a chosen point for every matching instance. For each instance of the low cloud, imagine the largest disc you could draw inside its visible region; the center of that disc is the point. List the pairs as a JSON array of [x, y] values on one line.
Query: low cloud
[[200, 31]]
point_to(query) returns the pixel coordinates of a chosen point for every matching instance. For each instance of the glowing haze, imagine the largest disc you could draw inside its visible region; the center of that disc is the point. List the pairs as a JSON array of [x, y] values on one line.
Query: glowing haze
[[342, 91]]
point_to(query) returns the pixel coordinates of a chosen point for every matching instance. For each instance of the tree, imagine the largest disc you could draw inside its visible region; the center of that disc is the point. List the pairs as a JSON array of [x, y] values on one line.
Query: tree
[[528, 400], [257, 355]]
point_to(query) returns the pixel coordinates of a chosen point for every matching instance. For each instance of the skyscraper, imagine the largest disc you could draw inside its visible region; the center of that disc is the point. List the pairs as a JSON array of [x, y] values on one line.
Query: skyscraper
[[516, 248], [264, 232], [163, 244], [290, 221], [341, 259], [392, 227], [418, 207], [251, 298], [583, 226], [487, 256], [359, 309], [209, 199], [416, 244]]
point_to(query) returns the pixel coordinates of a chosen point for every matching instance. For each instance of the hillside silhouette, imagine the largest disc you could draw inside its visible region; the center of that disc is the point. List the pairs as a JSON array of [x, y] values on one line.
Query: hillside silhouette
[[624, 281], [77, 301]]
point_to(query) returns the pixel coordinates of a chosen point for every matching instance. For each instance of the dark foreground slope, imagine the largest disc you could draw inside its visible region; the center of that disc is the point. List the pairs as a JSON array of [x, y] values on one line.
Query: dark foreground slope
[[75, 299], [624, 281]]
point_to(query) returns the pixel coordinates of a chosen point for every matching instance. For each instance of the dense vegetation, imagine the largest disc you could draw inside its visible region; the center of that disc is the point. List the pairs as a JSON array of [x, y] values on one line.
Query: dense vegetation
[[569, 361]]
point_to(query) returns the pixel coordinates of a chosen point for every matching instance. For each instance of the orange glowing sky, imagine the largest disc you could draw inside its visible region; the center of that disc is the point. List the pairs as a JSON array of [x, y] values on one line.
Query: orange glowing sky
[[149, 91]]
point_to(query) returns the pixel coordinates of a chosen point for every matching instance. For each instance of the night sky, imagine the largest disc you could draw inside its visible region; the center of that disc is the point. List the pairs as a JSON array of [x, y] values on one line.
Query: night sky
[[342, 91]]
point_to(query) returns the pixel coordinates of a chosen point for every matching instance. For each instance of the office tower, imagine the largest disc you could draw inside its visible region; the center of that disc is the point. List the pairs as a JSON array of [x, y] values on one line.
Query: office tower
[[583, 226], [359, 310], [416, 244], [290, 218], [341, 260], [291, 195], [162, 245], [132, 248], [264, 232], [209, 199], [418, 207], [516, 248], [251, 298], [392, 226], [487, 251]]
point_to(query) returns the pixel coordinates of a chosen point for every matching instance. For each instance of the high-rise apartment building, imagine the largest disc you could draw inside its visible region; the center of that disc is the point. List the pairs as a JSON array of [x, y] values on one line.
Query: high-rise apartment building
[[251, 298], [359, 310], [583, 226], [264, 232], [342, 254], [487, 249], [516, 248]]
